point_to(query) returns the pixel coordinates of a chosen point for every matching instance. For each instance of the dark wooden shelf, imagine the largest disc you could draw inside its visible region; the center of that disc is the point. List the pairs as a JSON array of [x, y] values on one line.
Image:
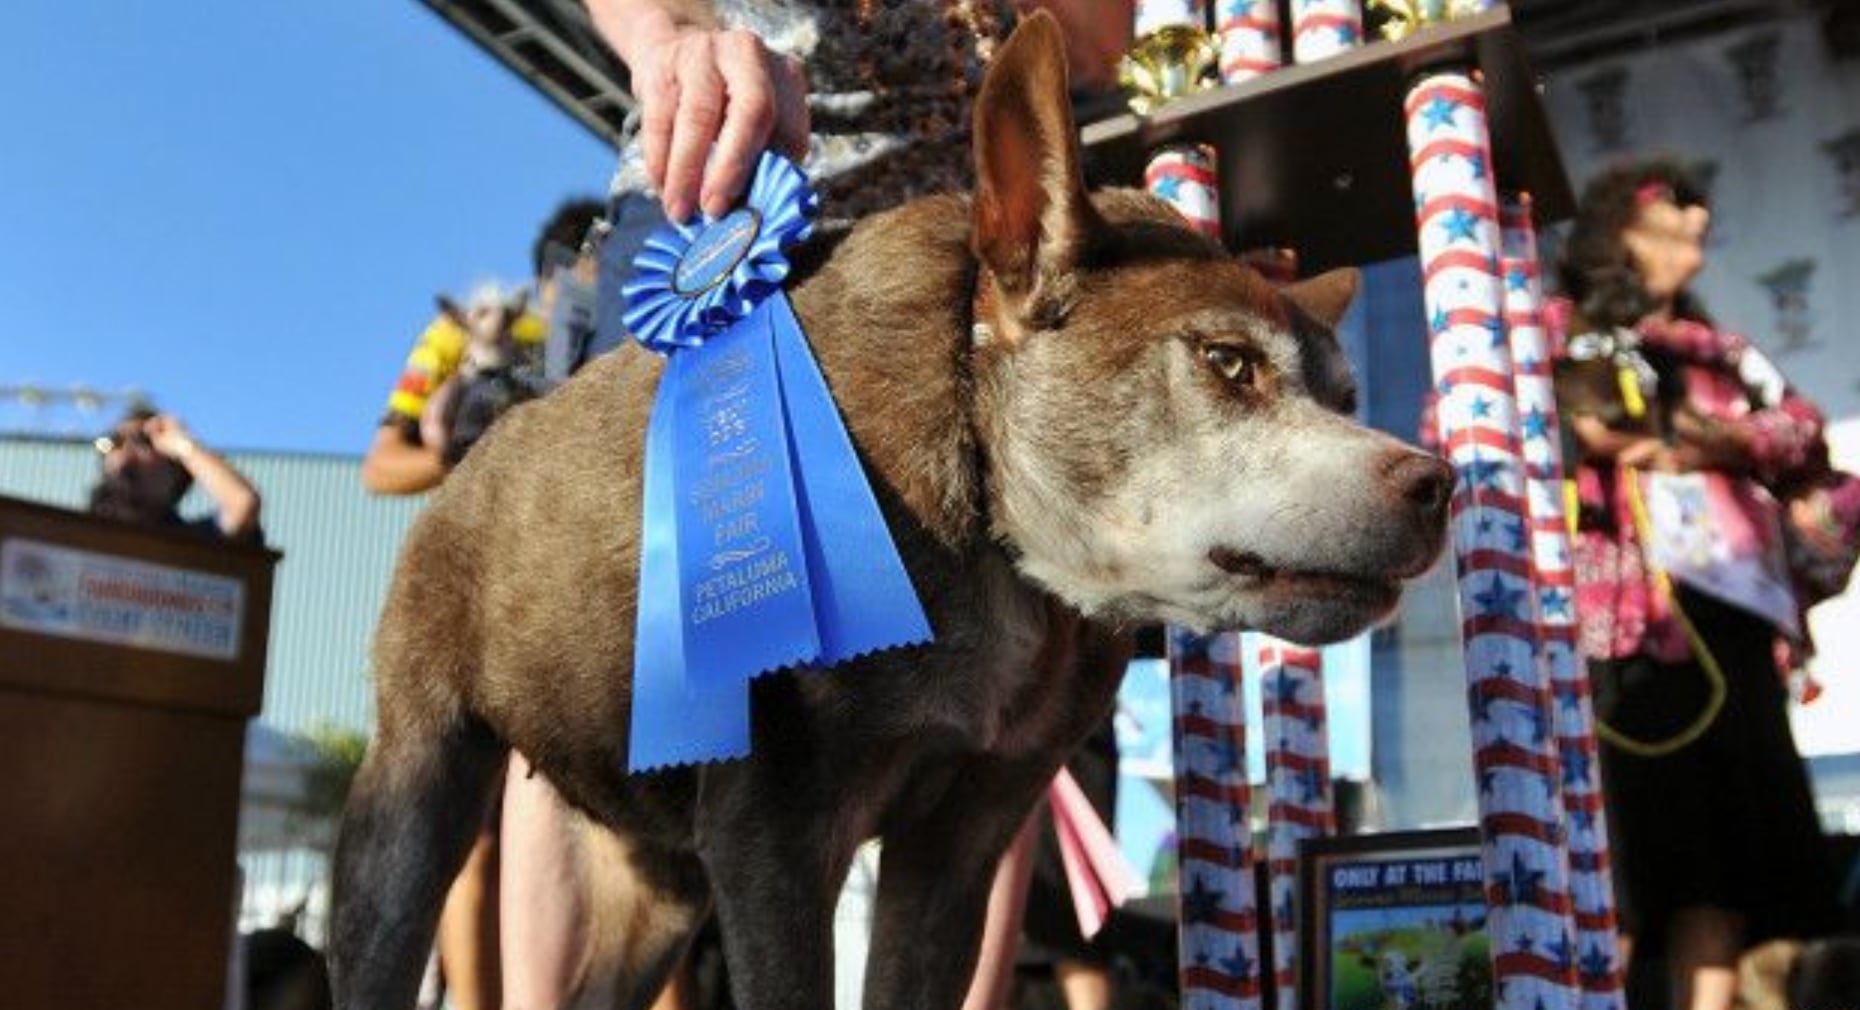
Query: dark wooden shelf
[[1314, 156]]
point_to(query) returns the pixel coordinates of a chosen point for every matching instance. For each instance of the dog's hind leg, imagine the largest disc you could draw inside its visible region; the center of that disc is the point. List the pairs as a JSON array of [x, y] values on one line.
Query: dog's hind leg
[[413, 810]]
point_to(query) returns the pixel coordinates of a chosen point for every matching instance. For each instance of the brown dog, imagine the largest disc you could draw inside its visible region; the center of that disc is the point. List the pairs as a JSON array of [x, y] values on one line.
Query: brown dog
[[1077, 415]]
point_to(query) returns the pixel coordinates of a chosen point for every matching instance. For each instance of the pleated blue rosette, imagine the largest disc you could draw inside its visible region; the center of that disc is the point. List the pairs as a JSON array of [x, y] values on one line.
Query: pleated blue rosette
[[762, 545]]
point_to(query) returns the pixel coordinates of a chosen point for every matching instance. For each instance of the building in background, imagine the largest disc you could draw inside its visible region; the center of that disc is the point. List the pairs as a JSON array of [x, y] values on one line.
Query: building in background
[[339, 546]]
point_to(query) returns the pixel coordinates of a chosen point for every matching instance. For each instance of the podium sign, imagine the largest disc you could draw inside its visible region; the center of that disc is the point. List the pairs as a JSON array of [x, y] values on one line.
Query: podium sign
[[130, 661]]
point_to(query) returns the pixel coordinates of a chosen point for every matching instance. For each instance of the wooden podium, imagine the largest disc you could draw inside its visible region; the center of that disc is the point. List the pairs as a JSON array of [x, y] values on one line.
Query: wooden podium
[[130, 661]]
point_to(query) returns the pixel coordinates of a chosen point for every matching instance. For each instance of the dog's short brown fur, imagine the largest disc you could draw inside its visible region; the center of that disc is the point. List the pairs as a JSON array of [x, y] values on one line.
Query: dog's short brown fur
[[1077, 414]]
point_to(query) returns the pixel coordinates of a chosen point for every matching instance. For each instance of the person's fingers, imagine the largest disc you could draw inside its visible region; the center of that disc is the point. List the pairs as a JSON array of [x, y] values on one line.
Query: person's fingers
[[1639, 454], [793, 124], [701, 99], [656, 88], [745, 68]]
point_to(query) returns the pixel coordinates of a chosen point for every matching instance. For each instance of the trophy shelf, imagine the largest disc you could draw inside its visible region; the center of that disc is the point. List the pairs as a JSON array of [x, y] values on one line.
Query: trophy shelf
[[1314, 156]]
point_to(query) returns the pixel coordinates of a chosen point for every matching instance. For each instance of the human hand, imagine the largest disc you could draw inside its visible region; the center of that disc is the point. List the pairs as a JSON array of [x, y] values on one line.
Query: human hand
[[1715, 445], [435, 429], [169, 437], [710, 102]]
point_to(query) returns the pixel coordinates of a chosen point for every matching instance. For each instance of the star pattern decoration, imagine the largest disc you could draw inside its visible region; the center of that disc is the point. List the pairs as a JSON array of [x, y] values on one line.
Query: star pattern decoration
[[1482, 701], [1168, 187], [1311, 784], [1582, 819], [1188, 646], [1461, 225], [1346, 35], [1596, 963], [1499, 599], [1200, 902], [1575, 767], [1540, 729], [1524, 943], [1495, 328], [1475, 164], [1488, 780], [1227, 756], [1536, 423], [1556, 604], [1482, 406], [1237, 965], [1483, 474], [1285, 688], [1514, 532], [1562, 952], [1438, 112], [1520, 884], [1529, 364], [1438, 323]]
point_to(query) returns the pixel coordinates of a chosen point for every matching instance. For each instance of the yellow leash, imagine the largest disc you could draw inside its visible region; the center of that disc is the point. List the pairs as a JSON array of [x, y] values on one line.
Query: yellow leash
[[1714, 674]]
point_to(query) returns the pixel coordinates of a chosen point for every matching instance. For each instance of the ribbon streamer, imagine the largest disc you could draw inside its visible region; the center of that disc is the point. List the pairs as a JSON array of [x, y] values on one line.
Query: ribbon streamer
[[1096, 872], [762, 544]]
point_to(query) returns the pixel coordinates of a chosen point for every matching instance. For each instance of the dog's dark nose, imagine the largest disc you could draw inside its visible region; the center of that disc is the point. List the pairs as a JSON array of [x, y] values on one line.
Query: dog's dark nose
[[1424, 481]]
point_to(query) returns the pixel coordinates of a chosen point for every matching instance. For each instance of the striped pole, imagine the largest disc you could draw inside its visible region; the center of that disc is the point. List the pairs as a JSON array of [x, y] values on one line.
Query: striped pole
[[1291, 679], [1514, 743], [1155, 15], [1584, 821], [1183, 175], [1322, 28], [1219, 899], [1219, 902], [1249, 36]]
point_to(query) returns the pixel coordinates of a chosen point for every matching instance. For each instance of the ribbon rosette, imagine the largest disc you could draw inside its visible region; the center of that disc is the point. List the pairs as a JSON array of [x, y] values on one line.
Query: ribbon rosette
[[762, 545]]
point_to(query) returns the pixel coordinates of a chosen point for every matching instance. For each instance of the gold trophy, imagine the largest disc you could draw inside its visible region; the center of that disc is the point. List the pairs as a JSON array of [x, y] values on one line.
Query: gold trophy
[[1174, 54], [1409, 16]]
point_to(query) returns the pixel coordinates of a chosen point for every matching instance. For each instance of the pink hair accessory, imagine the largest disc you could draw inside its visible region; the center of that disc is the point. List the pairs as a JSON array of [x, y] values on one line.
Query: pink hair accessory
[[1652, 192]]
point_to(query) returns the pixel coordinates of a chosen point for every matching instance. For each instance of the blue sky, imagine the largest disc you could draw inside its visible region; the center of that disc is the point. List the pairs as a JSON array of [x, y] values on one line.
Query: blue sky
[[245, 209]]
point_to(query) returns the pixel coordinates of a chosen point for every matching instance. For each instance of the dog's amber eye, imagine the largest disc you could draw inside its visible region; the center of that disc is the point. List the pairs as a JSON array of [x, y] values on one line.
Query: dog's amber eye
[[1233, 363]]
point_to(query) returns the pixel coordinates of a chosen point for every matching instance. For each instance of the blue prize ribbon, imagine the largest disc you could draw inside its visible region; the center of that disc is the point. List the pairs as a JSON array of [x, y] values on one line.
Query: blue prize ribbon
[[863, 598], [671, 725], [746, 605], [763, 546]]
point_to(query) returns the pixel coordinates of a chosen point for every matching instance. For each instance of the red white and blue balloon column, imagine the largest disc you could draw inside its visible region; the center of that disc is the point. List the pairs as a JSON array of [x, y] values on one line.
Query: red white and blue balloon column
[[1514, 741], [1219, 901], [1291, 680], [1248, 32], [1586, 828], [1324, 28], [1219, 894]]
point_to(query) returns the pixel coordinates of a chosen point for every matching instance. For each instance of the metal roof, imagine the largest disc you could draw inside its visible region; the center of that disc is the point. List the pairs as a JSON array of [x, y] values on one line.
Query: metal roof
[[552, 45]]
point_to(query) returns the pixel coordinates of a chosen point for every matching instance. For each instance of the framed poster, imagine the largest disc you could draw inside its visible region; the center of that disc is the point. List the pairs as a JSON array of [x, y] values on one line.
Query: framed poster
[[1393, 922]]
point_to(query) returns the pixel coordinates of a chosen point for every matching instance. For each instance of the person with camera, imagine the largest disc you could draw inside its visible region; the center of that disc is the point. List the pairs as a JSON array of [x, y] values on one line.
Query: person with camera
[[150, 461]]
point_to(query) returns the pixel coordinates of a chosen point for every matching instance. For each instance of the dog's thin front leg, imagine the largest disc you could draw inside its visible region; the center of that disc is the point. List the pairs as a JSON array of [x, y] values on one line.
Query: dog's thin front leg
[[775, 869], [933, 887]]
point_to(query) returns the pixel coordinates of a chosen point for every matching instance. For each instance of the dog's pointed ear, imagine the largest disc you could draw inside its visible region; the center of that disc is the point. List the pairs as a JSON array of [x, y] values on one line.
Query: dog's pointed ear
[[1033, 220], [1327, 296], [449, 308]]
